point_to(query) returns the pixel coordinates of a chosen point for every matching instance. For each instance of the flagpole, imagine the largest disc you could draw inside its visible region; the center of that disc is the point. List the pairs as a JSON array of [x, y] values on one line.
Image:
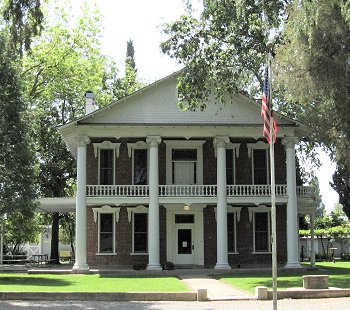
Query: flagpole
[[273, 193]]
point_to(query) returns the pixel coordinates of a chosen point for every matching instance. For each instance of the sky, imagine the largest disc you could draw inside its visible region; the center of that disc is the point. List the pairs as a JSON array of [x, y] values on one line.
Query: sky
[[141, 22]]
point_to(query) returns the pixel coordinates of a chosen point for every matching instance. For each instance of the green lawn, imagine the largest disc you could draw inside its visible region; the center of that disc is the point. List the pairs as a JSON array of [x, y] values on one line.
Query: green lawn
[[89, 283], [339, 276]]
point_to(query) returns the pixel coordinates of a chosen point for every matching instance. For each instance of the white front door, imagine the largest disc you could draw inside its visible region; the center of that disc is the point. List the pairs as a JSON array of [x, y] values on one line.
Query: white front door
[[184, 245]]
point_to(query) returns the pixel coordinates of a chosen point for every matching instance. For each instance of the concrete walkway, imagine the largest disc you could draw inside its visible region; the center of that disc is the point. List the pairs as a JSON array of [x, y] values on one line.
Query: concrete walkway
[[216, 290]]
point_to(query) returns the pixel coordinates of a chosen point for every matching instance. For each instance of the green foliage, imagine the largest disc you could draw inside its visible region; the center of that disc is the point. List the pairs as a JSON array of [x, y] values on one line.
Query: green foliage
[[223, 49], [130, 55], [139, 266], [64, 62], [25, 19], [341, 184], [18, 190], [168, 266], [129, 83]]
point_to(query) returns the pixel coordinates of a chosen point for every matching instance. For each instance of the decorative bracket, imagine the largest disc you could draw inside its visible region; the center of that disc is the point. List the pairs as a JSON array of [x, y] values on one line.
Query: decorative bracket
[[106, 145], [106, 209], [138, 209]]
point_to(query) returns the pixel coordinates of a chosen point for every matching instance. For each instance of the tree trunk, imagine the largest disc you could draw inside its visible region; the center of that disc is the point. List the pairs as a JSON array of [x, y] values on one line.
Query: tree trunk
[[54, 237]]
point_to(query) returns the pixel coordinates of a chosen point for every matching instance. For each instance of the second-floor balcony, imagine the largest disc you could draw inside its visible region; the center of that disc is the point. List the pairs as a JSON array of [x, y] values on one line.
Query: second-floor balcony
[[195, 193]]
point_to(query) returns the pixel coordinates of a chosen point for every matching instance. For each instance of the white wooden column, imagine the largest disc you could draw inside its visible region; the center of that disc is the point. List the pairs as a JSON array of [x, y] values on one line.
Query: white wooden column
[[80, 235], [312, 235], [292, 212], [153, 213], [221, 219]]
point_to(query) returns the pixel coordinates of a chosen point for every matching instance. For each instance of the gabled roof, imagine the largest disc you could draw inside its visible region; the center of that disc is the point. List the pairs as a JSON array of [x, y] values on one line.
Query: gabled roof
[[156, 105]]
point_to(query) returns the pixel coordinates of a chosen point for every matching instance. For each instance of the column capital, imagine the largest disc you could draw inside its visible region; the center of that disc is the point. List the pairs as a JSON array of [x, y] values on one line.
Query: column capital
[[221, 141], [153, 140], [82, 140], [289, 142]]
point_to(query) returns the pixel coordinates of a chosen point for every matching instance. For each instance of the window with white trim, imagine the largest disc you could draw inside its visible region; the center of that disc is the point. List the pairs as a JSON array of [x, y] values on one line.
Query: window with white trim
[[260, 171], [138, 216], [140, 166], [106, 152], [184, 166], [231, 232], [106, 166], [230, 167], [107, 229], [261, 217], [258, 152], [106, 218], [140, 232], [184, 162]]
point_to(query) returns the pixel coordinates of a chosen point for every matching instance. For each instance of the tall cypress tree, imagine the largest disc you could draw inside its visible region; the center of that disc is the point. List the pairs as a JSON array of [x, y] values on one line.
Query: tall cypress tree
[[130, 55], [17, 168]]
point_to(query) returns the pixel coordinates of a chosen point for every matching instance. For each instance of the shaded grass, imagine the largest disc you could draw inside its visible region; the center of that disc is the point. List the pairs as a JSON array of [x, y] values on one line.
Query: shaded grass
[[339, 276], [89, 283]]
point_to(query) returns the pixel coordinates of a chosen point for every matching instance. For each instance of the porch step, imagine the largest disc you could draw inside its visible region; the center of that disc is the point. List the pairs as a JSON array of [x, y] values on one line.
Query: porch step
[[187, 267]]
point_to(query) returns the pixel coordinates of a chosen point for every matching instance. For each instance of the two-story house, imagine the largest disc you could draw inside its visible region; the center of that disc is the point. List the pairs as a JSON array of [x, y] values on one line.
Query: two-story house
[[157, 184]]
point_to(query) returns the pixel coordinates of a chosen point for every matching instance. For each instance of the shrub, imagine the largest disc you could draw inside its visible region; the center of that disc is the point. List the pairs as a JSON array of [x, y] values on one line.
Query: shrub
[[140, 266], [168, 266]]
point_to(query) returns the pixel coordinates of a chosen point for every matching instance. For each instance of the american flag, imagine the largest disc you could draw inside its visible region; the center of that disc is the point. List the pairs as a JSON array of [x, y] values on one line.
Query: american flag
[[266, 111]]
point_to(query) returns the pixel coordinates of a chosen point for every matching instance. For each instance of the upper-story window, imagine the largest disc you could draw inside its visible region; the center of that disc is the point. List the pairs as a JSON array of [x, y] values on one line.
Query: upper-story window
[[106, 170], [140, 166], [260, 171], [258, 152], [230, 167], [184, 166], [184, 162], [232, 152], [106, 152]]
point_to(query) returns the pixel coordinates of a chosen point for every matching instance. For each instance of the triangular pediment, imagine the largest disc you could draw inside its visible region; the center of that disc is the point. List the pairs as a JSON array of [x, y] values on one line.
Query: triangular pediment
[[157, 105]]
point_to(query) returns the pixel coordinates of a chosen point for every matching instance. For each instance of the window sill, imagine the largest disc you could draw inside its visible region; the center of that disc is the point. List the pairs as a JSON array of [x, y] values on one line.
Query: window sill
[[105, 254], [261, 252], [233, 253], [138, 253]]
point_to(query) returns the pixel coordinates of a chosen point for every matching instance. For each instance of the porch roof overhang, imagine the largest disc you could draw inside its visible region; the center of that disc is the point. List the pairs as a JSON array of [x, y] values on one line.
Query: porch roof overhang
[[60, 204]]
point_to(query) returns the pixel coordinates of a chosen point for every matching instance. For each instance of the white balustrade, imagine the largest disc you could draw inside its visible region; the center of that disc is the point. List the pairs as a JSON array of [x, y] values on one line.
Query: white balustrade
[[193, 191]]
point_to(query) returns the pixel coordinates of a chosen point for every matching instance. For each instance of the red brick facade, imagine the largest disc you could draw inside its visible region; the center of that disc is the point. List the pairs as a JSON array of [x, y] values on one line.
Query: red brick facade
[[244, 228]]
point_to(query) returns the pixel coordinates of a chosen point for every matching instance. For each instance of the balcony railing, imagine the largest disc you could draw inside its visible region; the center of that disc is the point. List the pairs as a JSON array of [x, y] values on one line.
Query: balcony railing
[[193, 191]]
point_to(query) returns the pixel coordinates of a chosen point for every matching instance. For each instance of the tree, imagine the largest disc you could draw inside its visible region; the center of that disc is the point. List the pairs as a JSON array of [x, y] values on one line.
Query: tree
[[64, 62], [129, 83], [18, 192], [225, 50], [130, 55], [341, 184], [25, 19]]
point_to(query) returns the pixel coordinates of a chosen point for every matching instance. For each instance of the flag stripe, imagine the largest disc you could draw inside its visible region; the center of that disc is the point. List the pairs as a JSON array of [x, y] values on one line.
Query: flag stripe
[[266, 112]]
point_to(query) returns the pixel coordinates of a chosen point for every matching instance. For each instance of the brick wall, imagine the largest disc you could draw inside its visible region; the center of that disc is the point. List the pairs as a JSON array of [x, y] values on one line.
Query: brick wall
[[244, 227], [123, 241], [244, 230], [243, 162]]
